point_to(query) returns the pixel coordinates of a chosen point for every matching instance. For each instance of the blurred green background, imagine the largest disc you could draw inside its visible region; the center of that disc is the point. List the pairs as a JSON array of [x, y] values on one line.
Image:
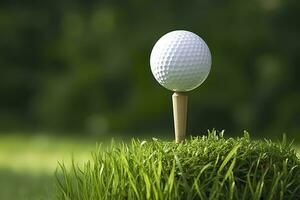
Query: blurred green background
[[76, 72]]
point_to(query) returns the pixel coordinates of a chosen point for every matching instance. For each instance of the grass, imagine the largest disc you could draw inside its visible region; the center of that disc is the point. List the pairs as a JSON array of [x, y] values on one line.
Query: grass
[[207, 167], [28, 163], [26, 185]]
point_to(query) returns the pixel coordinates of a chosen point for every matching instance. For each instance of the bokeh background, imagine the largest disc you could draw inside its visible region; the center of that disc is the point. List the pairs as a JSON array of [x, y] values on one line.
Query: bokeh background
[[73, 73]]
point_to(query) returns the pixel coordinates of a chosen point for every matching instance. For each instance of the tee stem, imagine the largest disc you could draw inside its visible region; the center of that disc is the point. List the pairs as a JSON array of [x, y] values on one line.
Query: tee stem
[[180, 115]]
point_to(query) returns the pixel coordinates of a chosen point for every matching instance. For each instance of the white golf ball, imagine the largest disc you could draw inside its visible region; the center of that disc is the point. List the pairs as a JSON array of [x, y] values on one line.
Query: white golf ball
[[180, 61]]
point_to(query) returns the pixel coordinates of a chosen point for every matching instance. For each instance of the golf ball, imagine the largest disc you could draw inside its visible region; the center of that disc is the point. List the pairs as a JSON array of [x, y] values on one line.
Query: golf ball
[[180, 61]]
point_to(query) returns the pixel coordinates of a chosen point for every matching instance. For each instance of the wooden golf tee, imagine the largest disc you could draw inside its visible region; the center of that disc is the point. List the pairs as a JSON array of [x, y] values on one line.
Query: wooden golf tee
[[180, 115]]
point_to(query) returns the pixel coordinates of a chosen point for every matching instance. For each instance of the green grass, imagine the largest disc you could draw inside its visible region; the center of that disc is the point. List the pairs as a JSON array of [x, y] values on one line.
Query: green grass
[[207, 167], [28, 163], [26, 185]]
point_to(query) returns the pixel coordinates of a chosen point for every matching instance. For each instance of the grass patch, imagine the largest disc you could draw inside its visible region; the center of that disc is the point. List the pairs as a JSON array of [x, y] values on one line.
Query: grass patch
[[16, 185], [28, 163], [207, 167], [38, 154]]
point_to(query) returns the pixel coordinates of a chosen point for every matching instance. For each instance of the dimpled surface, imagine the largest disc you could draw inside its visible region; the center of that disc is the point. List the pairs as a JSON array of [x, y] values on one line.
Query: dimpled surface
[[180, 61]]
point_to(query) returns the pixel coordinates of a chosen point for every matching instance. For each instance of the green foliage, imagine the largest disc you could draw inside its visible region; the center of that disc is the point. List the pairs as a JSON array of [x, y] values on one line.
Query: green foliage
[[73, 65], [207, 167]]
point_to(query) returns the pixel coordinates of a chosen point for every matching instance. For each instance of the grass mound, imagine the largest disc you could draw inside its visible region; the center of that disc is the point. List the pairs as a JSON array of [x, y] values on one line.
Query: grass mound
[[207, 167]]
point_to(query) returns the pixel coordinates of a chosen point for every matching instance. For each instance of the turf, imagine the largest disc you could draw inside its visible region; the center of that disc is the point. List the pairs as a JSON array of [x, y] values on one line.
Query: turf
[[207, 167], [28, 162]]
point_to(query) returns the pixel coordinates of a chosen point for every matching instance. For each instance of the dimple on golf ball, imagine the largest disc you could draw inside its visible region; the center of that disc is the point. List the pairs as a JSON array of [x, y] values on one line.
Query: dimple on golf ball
[[180, 61]]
